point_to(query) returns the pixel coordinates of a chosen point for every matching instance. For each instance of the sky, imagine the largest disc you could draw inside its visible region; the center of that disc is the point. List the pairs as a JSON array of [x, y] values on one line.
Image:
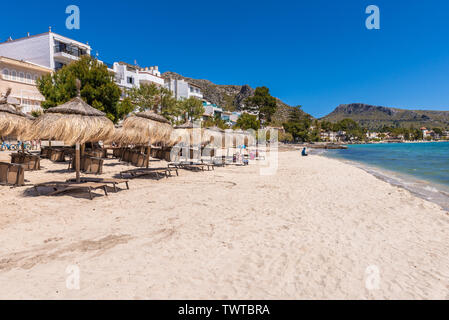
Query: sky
[[313, 53]]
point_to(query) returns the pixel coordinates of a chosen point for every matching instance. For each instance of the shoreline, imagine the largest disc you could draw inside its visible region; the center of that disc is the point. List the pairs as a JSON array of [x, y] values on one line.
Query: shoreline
[[407, 182]]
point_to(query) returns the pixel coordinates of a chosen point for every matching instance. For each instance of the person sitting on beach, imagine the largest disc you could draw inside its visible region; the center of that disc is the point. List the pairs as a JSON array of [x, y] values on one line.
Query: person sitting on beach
[[304, 152]]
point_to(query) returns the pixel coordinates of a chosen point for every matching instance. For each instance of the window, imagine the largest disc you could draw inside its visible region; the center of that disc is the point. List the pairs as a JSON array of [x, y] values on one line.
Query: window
[[21, 77], [58, 65], [35, 78], [13, 75], [130, 80], [6, 74], [191, 89], [29, 80]]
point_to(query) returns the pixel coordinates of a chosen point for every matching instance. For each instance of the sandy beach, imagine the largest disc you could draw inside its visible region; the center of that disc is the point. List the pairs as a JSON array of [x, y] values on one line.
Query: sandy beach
[[315, 230]]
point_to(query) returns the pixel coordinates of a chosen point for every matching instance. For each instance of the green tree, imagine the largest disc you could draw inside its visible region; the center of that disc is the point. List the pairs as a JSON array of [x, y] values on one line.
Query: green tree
[[124, 108], [285, 137], [438, 131], [146, 97], [248, 121], [97, 86], [261, 103], [296, 114], [169, 105], [191, 108], [352, 129]]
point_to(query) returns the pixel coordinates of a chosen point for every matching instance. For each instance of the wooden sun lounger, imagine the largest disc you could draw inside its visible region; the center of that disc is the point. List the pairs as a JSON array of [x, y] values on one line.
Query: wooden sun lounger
[[114, 182], [140, 172], [60, 187], [190, 165]]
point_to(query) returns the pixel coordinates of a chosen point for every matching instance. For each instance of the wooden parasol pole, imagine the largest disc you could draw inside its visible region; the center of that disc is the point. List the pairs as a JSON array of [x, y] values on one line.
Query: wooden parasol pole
[[77, 162], [147, 156]]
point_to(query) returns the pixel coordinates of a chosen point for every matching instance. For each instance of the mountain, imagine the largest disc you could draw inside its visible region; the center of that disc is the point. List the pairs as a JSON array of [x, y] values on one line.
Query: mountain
[[375, 117], [231, 97]]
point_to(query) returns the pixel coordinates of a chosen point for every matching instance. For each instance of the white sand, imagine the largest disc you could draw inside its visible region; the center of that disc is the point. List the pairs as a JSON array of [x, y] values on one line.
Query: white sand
[[310, 231]]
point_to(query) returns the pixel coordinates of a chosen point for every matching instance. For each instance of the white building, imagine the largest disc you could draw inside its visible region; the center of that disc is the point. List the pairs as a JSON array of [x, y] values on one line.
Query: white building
[[211, 110], [182, 89], [129, 76], [20, 77], [372, 135], [47, 49], [425, 132], [330, 136]]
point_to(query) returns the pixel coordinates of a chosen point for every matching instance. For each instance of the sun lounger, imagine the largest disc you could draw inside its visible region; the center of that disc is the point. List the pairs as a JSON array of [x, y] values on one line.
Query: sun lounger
[[114, 182], [12, 174], [157, 172], [61, 187], [191, 165]]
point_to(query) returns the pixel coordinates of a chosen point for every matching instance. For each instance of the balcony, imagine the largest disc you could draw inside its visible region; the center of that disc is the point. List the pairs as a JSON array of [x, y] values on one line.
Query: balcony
[[66, 53]]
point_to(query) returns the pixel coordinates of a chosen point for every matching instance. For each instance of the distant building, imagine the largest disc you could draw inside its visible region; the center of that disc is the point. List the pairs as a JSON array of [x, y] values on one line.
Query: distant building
[[372, 135], [425, 132], [49, 50], [182, 89], [211, 110], [329, 136], [231, 117], [21, 77], [128, 76]]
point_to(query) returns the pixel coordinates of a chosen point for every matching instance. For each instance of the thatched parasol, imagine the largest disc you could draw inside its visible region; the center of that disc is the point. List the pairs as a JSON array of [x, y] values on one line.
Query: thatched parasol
[[145, 128], [74, 122], [216, 136], [12, 121], [191, 134]]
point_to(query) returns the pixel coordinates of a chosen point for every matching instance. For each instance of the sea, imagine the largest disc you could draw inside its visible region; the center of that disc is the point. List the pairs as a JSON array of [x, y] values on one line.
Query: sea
[[421, 168]]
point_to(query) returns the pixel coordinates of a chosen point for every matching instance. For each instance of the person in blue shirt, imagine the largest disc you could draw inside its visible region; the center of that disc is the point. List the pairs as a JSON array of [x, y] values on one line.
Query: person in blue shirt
[[304, 152]]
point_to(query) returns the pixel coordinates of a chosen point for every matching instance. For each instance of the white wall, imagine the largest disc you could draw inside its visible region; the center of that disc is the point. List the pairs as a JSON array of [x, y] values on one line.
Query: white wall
[[35, 49]]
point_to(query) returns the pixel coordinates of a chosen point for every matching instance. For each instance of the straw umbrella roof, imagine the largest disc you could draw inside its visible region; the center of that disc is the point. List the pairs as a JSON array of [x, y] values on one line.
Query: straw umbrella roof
[[12, 121], [215, 135], [73, 122], [189, 133], [144, 128]]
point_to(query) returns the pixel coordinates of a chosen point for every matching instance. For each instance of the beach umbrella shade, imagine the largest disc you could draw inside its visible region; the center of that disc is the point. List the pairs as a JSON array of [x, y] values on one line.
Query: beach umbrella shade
[[216, 136], [74, 122], [13, 122], [145, 128], [189, 133]]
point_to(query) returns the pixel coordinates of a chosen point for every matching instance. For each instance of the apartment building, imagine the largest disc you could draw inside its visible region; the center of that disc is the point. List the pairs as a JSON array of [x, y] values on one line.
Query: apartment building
[[21, 77], [182, 89], [128, 76], [211, 110], [49, 50]]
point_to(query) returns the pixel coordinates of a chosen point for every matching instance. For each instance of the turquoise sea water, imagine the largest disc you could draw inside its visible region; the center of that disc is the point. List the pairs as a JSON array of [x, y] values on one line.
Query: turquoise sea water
[[423, 168]]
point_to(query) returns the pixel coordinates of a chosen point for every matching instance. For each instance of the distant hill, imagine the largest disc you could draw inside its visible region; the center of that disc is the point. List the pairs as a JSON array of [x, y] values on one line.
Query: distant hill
[[230, 97], [375, 117]]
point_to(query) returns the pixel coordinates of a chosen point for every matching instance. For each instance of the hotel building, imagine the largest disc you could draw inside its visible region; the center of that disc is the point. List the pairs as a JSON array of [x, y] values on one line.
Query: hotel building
[[47, 49], [21, 77], [128, 76], [182, 89]]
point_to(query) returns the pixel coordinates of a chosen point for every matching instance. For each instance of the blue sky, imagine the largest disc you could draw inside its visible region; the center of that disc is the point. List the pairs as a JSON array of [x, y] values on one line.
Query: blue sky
[[313, 53]]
